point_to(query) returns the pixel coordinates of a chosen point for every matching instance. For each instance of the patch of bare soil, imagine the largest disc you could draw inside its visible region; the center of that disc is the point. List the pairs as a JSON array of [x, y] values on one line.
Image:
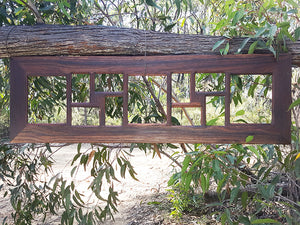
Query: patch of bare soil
[[156, 211]]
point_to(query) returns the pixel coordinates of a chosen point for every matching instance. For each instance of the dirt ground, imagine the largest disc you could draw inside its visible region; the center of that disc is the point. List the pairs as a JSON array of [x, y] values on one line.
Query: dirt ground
[[141, 202]]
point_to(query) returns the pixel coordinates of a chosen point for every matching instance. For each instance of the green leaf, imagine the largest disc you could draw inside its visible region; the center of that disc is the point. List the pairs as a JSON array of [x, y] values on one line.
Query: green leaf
[[241, 121], [218, 44], [77, 202], [297, 168], [154, 203], [222, 183], [240, 113], [254, 150], [224, 218], [220, 152], [271, 191], [272, 31], [62, 8], [132, 174], [295, 103], [123, 170], [297, 33], [45, 83], [203, 183], [73, 170], [172, 146], [238, 15], [234, 193], [174, 178], [187, 181], [260, 32], [178, 5], [249, 138], [18, 10], [245, 41], [169, 27], [260, 221], [226, 49], [19, 2], [185, 164], [212, 122], [48, 147], [75, 158], [293, 3], [252, 47], [244, 199], [78, 148], [151, 3], [271, 49], [283, 24], [244, 220], [77, 194]]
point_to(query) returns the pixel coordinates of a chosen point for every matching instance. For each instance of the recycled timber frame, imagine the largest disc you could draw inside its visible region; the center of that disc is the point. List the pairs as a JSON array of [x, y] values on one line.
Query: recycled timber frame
[[277, 132]]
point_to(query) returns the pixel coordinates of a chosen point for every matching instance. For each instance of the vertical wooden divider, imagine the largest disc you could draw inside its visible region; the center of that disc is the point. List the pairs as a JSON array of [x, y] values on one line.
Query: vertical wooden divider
[[125, 100], [69, 99], [227, 98], [169, 99]]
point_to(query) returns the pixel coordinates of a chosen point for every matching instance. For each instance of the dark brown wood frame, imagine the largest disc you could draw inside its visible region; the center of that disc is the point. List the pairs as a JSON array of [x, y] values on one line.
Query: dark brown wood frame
[[278, 132]]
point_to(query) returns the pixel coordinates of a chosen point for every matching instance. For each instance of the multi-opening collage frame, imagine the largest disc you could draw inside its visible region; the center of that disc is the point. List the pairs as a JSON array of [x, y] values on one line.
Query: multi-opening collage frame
[[276, 132]]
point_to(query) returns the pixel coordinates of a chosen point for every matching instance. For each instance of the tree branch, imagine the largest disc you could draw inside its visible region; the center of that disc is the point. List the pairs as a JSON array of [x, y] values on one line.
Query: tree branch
[[102, 40]]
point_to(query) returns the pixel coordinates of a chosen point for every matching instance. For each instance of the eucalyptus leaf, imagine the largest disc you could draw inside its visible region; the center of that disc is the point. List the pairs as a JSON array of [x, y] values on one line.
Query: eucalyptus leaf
[[252, 47], [249, 138], [218, 44], [295, 103], [262, 221], [240, 112], [297, 168], [245, 41], [151, 3], [297, 33], [226, 49]]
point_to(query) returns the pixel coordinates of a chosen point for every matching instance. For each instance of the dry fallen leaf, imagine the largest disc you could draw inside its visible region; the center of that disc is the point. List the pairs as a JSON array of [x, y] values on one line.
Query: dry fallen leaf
[[156, 149]]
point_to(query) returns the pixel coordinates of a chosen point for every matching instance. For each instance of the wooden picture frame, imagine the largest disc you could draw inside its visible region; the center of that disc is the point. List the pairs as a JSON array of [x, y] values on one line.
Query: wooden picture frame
[[277, 132]]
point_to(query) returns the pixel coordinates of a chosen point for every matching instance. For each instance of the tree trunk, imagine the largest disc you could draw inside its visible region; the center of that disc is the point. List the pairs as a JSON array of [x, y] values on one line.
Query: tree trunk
[[101, 40]]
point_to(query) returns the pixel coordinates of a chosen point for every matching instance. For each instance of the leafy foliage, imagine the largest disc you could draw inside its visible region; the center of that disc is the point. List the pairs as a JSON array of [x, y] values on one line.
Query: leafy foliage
[[244, 190], [266, 24]]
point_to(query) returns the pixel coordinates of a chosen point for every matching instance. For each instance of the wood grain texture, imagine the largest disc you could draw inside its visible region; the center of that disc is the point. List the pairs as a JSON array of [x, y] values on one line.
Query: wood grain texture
[[278, 132], [151, 65], [57, 40], [149, 134]]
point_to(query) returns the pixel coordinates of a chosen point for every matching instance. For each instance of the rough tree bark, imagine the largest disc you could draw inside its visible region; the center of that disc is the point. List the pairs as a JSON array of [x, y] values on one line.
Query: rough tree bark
[[101, 40]]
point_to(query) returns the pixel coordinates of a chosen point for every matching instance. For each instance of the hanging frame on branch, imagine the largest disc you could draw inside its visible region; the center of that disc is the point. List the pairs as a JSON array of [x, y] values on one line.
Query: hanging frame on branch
[[86, 88]]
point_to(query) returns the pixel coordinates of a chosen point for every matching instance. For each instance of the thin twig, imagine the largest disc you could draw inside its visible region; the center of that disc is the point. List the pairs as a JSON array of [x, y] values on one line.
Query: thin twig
[[170, 157], [104, 13], [36, 13], [183, 148]]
